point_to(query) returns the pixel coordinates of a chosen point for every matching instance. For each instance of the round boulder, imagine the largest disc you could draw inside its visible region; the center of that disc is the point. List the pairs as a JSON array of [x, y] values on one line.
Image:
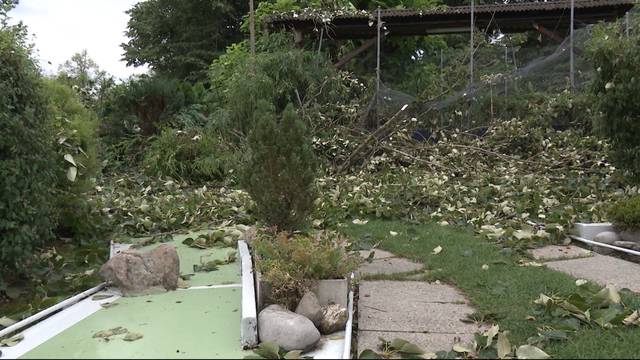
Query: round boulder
[[287, 329], [310, 308]]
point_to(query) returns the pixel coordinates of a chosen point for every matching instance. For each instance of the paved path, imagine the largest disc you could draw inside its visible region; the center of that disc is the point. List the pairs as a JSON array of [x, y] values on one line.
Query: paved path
[[426, 314], [600, 269], [386, 263]]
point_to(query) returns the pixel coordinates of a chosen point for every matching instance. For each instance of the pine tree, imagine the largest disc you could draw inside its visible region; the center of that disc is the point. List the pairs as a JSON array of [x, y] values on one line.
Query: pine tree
[[280, 169]]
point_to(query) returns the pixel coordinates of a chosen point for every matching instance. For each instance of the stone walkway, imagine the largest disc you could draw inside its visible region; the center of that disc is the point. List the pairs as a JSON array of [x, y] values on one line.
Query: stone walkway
[[426, 314], [386, 263], [584, 264]]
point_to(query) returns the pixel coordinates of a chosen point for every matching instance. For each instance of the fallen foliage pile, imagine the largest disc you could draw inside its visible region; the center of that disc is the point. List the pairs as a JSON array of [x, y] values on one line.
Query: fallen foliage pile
[[518, 173]]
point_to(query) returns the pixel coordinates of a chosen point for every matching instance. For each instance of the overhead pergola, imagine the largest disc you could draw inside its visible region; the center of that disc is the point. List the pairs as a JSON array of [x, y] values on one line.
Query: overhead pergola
[[507, 18]]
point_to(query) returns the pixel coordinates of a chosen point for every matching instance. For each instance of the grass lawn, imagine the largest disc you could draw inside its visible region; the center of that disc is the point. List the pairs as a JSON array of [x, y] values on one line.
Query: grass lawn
[[505, 290]]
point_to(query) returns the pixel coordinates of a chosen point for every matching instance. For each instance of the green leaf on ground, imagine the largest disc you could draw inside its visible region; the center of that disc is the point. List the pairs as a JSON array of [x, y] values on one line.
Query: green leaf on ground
[[132, 336], [530, 352], [12, 341]]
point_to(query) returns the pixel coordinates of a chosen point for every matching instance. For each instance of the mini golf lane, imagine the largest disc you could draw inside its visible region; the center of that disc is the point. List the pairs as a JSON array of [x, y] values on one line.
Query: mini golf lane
[[200, 322]]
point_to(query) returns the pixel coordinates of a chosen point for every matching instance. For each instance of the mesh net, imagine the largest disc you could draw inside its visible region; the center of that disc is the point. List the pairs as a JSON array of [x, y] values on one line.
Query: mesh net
[[503, 75]]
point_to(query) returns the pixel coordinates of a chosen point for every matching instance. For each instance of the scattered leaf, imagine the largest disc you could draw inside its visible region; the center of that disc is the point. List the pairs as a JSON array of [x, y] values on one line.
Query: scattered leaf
[[132, 336], [12, 341], [6, 322], [503, 345], [632, 319], [72, 172], [530, 352], [369, 354], [69, 159]]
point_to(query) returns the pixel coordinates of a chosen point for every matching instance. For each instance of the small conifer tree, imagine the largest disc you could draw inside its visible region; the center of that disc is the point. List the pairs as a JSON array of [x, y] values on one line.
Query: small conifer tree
[[280, 168]]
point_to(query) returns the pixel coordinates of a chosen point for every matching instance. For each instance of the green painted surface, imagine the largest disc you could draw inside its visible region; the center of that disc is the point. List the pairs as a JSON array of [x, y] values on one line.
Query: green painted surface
[[226, 274], [203, 323]]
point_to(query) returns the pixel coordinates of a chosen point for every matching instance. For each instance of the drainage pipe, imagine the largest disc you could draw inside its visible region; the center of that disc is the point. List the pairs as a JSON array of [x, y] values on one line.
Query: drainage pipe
[[46, 312], [591, 242]]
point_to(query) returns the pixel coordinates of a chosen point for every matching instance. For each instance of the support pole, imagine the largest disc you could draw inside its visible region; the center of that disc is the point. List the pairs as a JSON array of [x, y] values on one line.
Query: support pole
[[378, 69], [252, 29], [378, 56], [441, 71], [571, 55], [626, 23], [506, 68], [320, 43], [471, 42]]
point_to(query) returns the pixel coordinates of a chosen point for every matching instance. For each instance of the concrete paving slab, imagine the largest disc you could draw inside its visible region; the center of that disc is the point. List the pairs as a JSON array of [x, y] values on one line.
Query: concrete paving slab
[[389, 266], [602, 270], [376, 293], [412, 307], [557, 252], [378, 254], [429, 342]]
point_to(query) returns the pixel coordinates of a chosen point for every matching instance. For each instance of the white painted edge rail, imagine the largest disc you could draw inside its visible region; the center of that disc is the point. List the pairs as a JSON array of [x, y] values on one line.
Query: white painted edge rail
[[46, 312], [349, 327], [595, 243], [588, 231], [249, 322]]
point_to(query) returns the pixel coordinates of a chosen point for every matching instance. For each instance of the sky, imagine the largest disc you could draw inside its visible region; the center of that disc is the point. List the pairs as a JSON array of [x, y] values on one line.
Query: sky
[[61, 28]]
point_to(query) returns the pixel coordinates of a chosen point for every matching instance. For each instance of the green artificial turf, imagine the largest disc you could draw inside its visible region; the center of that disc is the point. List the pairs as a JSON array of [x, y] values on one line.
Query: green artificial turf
[[504, 293]]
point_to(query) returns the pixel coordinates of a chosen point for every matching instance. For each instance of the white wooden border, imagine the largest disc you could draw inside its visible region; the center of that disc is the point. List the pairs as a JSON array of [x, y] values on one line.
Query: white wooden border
[[249, 322], [55, 324]]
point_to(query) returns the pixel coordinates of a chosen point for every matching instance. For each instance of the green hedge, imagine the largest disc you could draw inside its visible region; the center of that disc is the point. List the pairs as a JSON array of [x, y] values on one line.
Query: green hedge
[[28, 169]]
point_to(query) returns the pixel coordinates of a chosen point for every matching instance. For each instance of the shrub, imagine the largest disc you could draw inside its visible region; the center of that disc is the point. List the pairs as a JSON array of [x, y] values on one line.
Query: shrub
[[75, 129], [28, 171], [280, 75], [625, 214], [194, 155], [144, 104], [280, 169], [616, 85], [291, 263], [139, 108]]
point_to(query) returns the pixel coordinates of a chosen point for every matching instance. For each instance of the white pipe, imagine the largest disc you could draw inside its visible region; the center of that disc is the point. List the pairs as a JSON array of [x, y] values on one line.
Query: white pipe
[[349, 326], [591, 242], [46, 312]]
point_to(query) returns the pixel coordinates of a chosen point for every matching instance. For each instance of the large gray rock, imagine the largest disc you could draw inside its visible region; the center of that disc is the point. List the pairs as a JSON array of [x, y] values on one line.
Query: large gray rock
[[607, 237], [334, 318], [309, 307], [287, 329], [135, 272]]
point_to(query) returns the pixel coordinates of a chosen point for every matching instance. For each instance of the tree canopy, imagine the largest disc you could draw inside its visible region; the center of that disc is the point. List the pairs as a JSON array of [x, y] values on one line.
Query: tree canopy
[[181, 38]]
